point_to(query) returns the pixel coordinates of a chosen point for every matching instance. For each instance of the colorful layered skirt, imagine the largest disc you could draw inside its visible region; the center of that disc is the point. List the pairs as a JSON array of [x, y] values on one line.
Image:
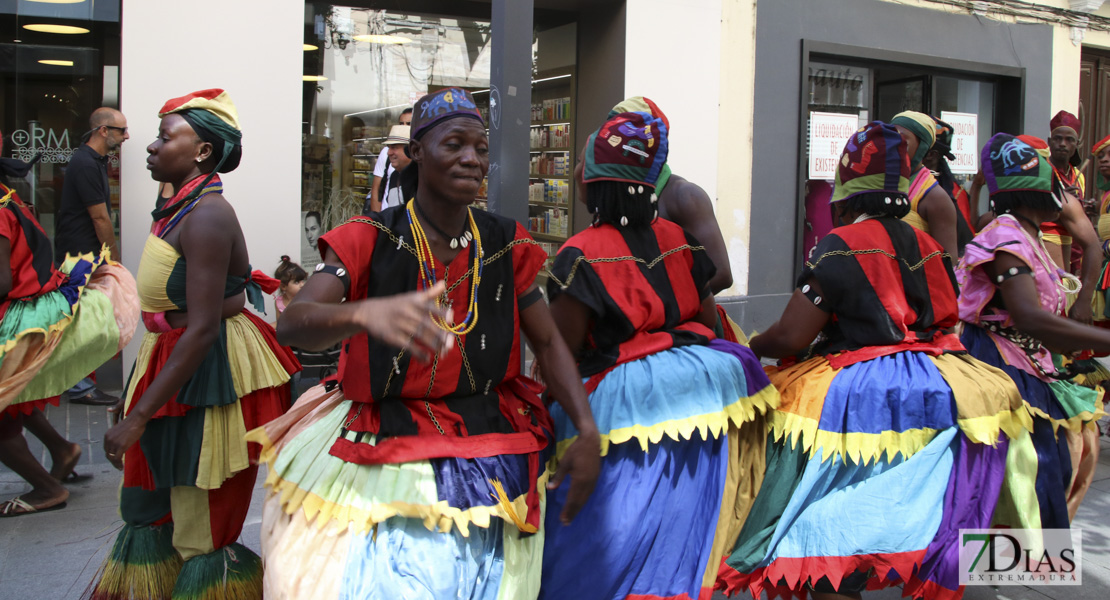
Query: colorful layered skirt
[[50, 342], [872, 470], [1065, 433], [435, 528], [187, 483], [676, 469]]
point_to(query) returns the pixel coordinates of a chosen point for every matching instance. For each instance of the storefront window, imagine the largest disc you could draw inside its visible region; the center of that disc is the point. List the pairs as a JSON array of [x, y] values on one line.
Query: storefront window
[[363, 67], [843, 95], [59, 63]]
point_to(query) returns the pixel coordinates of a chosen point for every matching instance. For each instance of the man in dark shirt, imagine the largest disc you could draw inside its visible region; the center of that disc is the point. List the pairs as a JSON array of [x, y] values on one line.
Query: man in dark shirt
[[84, 221]]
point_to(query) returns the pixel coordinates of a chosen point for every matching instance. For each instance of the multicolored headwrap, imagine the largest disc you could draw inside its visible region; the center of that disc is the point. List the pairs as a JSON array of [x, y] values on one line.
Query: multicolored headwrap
[[874, 160], [213, 117], [1035, 143], [923, 126], [629, 147], [646, 105], [640, 104], [1100, 182], [943, 145], [1100, 145], [1065, 119], [437, 107], [1011, 165]]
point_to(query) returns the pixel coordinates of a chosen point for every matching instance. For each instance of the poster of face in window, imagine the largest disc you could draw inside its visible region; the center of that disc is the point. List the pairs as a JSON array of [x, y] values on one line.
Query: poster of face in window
[[312, 225]]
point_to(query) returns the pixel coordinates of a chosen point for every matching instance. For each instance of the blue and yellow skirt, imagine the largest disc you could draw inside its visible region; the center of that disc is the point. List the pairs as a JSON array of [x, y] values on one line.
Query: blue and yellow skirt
[[675, 471], [877, 466]]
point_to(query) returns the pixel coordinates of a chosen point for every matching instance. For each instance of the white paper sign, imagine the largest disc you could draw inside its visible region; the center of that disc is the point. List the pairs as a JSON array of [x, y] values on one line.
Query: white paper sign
[[965, 141], [828, 133]]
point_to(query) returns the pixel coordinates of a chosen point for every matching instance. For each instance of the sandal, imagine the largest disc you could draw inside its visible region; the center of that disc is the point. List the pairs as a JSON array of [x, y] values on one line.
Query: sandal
[[74, 477], [16, 507]]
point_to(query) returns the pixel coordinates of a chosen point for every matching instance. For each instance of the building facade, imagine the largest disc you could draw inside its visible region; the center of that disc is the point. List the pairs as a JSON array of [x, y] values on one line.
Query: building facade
[[752, 90]]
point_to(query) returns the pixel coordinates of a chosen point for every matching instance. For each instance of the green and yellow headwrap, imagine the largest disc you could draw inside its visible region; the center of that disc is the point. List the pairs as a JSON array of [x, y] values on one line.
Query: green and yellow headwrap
[[212, 115], [923, 126]]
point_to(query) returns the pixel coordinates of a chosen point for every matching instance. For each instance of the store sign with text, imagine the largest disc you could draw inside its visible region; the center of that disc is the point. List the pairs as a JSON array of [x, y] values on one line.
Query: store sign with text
[[965, 142], [828, 133], [34, 139]]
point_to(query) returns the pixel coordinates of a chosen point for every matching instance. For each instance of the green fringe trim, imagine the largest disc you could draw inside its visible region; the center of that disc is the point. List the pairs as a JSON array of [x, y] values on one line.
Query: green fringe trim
[[231, 573], [142, 565]]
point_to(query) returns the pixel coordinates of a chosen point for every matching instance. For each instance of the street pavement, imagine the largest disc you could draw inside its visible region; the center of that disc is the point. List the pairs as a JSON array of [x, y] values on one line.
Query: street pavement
[[54, 555]]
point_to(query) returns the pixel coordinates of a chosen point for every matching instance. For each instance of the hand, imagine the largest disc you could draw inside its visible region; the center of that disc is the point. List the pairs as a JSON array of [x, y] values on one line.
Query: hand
[[406, 318], [115, 412], [1082, 312], [582, 461], [536, 372], [121, 437]]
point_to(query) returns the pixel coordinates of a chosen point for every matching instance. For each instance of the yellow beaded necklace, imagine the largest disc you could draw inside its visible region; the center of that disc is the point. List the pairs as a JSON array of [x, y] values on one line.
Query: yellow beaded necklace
[[428, 270]]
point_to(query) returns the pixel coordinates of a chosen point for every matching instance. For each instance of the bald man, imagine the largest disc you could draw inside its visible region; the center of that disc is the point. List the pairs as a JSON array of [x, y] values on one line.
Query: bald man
[[84, 220]]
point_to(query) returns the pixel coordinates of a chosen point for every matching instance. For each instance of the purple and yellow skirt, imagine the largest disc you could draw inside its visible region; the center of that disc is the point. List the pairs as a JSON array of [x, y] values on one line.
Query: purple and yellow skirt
[[877, 466]]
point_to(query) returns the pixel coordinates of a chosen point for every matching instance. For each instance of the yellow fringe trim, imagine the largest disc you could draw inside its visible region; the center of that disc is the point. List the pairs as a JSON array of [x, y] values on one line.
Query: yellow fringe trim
[[712, 424], [439, 516], [985, 430], [64, 322], [862, 448], [1074, 424]]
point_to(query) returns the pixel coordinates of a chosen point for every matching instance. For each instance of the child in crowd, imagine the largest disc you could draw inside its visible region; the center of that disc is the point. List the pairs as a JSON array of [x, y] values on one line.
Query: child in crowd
[[315, 365], [292, 277]]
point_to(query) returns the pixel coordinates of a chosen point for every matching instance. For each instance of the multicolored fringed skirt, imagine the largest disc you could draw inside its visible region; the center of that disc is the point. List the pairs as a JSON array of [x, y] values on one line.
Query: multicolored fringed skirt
[[187, 484], [674, 471], [51, 342], [437, 528], [877, 466], [1065, 433]]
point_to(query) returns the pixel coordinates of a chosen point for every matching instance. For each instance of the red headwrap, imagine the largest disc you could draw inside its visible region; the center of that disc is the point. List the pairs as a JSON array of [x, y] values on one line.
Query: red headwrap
[[1099, 145], [1065, 119]]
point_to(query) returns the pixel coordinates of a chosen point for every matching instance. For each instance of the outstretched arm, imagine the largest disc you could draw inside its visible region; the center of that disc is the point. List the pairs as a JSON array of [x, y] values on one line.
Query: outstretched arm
[[582, 460], [1023, 303], [798, 326], [318, 318]]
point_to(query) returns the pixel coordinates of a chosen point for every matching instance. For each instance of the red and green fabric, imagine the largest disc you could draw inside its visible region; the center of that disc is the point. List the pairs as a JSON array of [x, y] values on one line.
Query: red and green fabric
[[629, 147]]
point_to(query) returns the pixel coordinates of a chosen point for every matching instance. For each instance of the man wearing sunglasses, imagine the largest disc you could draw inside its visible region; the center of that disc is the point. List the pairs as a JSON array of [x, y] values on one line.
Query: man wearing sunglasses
[[84, 219]]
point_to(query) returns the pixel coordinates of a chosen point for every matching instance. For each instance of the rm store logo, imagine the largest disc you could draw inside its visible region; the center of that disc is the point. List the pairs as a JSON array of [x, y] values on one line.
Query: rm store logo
[[1021, 557]]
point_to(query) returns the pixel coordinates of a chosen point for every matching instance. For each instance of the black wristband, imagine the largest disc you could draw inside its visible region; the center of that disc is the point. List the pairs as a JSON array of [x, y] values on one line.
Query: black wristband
[[1012, 272], [339, 272], [529, 299]]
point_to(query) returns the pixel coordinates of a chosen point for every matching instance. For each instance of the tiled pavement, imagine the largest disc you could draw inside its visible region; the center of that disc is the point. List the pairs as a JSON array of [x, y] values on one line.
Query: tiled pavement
[[55, 554]]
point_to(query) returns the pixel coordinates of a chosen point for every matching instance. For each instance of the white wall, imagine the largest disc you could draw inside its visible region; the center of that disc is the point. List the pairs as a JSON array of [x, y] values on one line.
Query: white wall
[[252, 49], [698, 67], [673, 56]]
